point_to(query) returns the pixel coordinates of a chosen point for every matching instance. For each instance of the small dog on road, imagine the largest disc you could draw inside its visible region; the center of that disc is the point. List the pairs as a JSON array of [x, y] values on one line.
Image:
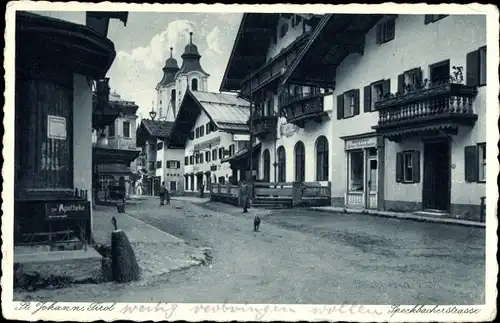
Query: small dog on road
[[256, 223]]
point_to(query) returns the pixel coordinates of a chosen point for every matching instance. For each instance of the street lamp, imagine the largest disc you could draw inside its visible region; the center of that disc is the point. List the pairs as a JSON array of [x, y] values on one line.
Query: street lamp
[[152, 113]]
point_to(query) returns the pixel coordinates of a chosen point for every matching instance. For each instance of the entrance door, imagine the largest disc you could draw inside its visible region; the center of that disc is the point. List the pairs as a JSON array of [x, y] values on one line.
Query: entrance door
[[372, 179], [156, 186], [436, 185]]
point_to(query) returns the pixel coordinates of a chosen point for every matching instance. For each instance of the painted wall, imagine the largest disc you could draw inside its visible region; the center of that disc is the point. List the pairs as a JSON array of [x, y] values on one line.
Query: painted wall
[[119, 141], [82, 135], [449, 38], [226, 139]]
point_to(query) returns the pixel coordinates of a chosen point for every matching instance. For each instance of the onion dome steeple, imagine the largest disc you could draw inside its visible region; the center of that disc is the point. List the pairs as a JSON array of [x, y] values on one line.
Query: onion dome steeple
[[191, 58], [169, 70]]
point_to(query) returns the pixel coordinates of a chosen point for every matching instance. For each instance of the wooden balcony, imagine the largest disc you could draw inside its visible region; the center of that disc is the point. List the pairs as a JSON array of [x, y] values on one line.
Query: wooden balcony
[[274, 68], [302, 107], [427, 110], [264, 125]]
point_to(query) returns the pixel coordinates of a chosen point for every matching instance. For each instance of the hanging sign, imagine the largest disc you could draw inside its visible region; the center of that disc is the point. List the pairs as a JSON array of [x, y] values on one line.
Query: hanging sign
[[56, 127], [361, 143]]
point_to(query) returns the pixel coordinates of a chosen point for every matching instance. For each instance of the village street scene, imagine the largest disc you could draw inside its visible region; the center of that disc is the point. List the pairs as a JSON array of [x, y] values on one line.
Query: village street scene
[[283, 158]]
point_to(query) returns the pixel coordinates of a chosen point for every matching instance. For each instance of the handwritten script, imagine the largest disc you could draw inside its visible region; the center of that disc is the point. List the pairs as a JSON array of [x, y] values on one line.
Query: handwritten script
[[37, 307]]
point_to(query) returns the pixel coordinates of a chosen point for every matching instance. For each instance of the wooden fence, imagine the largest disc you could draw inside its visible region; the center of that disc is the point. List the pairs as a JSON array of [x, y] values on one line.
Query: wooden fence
[[292, 193]]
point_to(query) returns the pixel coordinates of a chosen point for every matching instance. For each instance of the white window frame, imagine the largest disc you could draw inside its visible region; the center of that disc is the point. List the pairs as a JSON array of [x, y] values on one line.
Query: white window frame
[[375, 95], [481, 149], [349, 103], [407, 165]]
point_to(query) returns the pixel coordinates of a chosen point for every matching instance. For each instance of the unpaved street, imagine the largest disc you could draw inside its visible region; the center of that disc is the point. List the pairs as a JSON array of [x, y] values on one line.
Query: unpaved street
[[303, 256]]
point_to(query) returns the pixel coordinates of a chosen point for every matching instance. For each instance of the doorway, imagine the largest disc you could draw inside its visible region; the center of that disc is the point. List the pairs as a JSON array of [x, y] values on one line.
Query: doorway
[[436, 185]]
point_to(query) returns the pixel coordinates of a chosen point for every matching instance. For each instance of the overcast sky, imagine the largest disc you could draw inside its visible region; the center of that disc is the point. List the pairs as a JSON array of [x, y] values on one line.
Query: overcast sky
[[143, 46]]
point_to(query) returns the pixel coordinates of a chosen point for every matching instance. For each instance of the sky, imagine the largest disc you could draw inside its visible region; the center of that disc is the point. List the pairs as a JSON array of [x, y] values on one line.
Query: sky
[[144, 44]]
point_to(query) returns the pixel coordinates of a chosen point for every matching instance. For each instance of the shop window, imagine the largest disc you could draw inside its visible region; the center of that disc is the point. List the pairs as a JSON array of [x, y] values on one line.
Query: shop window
[[356, 177], [433, 18], [440, 73], [111, 131], [322, 159], [386, 29], [281, 164], [475, 163], [408, 167]]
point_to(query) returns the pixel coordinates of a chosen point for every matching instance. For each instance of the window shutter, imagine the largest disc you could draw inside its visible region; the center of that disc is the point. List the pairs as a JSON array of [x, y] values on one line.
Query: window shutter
[[340, 106], [472, 77], [416, 166], [399, 167], [427, 19], [391, 27], [471, 164], [356, 102], [379, 33], [367, 93], [386, 87], [401, 83], [418, 72]]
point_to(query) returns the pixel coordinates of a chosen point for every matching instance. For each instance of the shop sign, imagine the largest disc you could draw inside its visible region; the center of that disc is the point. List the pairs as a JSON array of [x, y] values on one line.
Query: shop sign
[[56, 127], [71, 210], [361, 143], [239, 137]]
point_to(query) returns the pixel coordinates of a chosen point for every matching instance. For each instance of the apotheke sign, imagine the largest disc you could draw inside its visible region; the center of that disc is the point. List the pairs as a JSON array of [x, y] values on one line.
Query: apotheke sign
[[361, 143], [67, 210]]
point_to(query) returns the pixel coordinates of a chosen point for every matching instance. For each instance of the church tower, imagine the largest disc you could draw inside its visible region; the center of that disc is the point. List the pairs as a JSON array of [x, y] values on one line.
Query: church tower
[[191, 74], [167, 92]]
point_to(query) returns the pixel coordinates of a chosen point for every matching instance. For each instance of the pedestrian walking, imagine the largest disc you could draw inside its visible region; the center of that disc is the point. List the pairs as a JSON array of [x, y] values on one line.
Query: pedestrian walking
[[202, 190], [162, 193]]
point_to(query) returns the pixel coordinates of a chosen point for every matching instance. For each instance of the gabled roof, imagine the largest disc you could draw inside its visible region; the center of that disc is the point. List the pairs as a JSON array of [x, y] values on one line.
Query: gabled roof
[[250, 48], [153, 129], [228, 112], [335, 37]]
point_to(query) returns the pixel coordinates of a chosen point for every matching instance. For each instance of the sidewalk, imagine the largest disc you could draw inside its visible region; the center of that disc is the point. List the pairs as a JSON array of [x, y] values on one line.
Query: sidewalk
[[399, 215], [157, 252], [192, 199]]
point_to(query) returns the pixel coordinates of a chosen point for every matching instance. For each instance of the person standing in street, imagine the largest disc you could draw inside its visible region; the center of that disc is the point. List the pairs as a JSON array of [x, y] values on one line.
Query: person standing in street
[[244, 196], [167, 195], [202, 190], [162, 193]]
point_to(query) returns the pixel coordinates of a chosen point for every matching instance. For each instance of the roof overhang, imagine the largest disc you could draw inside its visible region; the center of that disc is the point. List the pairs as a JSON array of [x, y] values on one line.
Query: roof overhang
[[242, 155], [142, 135], [335, 37], [250, 48], [63, 45], [101, 155], [189, 110]]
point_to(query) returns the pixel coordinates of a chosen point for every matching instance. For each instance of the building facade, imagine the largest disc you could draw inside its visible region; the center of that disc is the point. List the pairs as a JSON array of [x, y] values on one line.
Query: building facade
[[120, 135], [409, 127], [54, 121], [291, 120], [209, 127]]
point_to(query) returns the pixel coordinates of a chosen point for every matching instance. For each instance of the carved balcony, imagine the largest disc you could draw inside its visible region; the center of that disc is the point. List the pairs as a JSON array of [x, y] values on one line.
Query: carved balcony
[[433, 109], [302, 107], [264, 125]]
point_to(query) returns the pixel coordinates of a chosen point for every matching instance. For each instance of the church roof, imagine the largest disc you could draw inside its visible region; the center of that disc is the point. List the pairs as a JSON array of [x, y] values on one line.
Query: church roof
[[169, 71], [191, 59]]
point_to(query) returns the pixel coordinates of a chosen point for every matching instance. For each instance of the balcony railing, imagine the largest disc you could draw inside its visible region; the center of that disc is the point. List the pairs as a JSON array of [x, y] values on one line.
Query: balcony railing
[[448, 103], [299, 108], [264, 124]]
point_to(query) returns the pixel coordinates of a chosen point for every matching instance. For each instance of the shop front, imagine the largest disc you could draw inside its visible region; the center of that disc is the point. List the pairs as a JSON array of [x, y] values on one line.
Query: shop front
[[363, 155]]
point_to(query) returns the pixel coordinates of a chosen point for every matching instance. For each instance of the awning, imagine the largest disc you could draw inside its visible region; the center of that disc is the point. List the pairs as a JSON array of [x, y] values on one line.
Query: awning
[[242, 154], [101, 155]]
